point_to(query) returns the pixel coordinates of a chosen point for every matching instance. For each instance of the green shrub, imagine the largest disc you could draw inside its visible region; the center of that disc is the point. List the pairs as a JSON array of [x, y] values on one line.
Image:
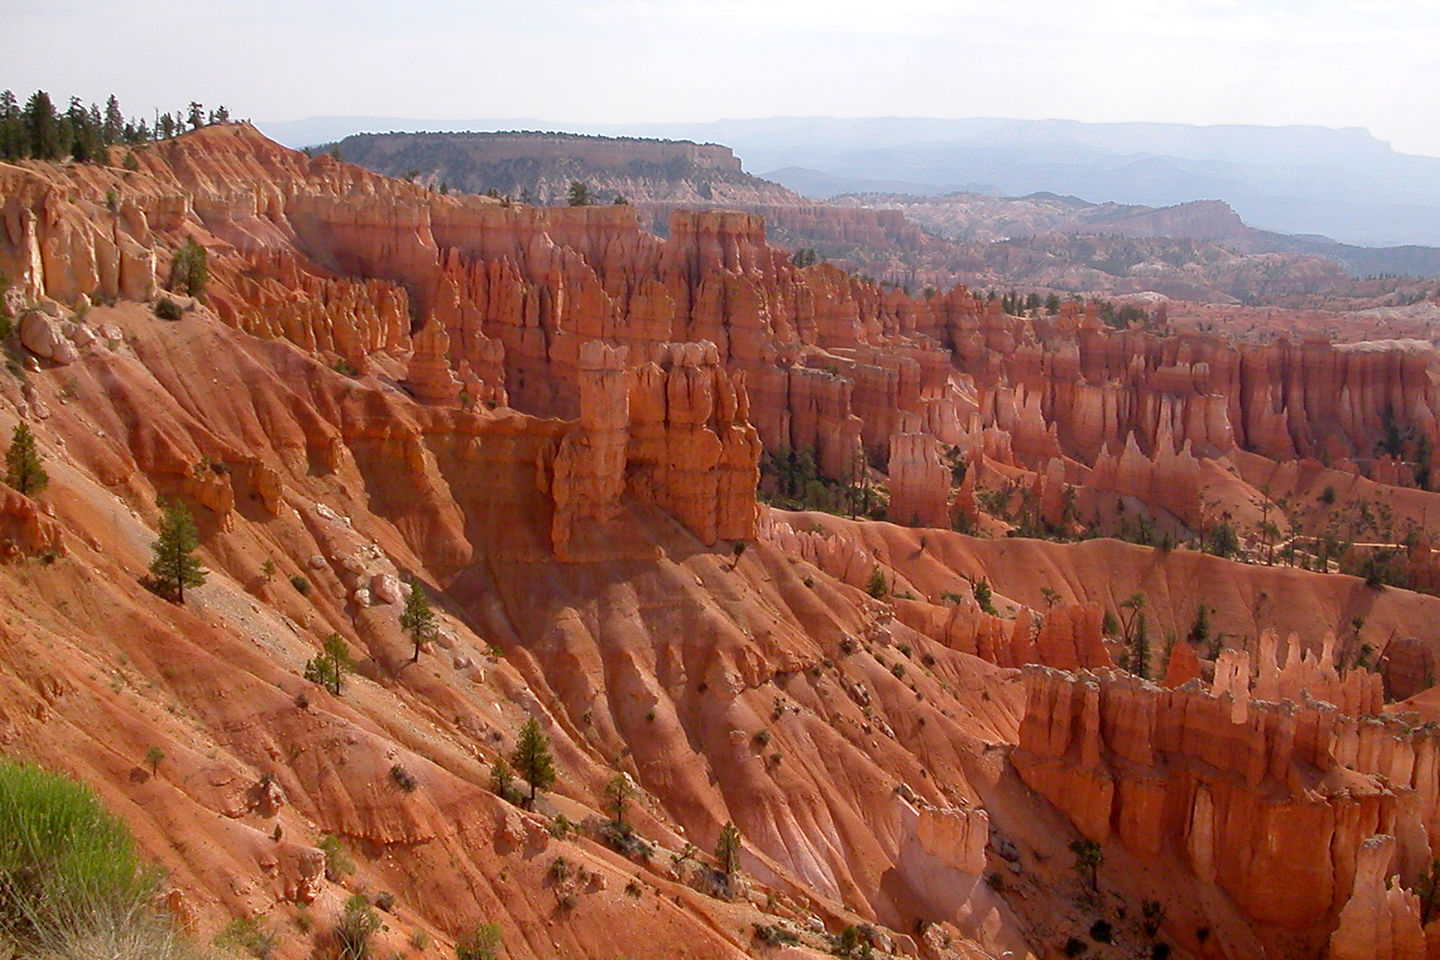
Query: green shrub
[[190, 269], [167, 309], [774, 935], [71, 883], [338, 863], [357, 924], [403, 778], [249, 935], [482, 943], [301, 585]]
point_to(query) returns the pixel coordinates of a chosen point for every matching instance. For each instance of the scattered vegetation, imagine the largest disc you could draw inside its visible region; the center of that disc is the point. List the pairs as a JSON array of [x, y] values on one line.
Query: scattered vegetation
[[877, 587], [618, 792], [853, 942], [502, 782], [792, 481], [167, 309], [83, 133], [774, 935], [403, 778], [1088, 858], [250, 936], [984, 597], [1427, 889]]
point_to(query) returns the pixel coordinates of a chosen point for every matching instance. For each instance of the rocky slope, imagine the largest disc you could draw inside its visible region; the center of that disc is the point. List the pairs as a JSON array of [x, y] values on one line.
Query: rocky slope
[[555, 421]]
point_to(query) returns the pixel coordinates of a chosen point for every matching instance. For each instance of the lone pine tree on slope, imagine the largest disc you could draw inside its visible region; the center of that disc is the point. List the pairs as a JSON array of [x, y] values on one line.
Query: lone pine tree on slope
[[22, 463], [418, 620], [175, 565], [532, 759]]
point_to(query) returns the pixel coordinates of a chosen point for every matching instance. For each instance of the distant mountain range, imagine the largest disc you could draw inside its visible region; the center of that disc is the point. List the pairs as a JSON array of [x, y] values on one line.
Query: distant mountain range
[[979, 218], [1304, 180]]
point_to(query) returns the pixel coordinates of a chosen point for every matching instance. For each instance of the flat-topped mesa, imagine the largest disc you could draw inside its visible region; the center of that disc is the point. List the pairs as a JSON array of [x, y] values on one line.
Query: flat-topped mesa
[[1269, 800]]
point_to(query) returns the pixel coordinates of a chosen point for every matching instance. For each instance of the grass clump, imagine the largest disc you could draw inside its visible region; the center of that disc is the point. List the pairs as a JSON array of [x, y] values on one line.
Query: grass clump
[[71, 881], [248, 936]]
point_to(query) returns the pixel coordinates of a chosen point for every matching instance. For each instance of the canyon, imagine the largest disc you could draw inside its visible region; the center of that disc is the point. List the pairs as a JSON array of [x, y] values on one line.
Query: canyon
[[1196, 251], [843, 566]]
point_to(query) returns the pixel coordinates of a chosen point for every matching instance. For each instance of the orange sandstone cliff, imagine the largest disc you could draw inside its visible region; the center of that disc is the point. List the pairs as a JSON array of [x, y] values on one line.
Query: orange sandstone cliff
[[555, 422]]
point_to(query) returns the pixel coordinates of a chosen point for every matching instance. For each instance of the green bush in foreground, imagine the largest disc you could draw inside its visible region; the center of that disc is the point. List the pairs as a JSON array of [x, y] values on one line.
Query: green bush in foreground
[[71, 883]]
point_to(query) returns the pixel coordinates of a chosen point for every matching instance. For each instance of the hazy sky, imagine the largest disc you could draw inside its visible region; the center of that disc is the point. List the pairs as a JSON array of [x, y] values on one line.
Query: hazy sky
[[1367, 63]]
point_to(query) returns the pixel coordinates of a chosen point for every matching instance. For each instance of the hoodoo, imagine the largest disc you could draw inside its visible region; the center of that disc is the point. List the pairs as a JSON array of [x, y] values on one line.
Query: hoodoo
[[757, 546]]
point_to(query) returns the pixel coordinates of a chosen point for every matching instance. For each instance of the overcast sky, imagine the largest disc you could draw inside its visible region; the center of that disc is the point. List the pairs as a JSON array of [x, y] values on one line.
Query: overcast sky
[[1335, 63]]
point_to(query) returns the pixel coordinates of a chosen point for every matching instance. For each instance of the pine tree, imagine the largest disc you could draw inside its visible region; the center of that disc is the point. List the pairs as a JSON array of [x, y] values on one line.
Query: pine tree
[[1200, 628], [1088, 858], [502, 781], [175, 565], [22, 463], [1140, 649], [12, 128], [41, 127], [619, 791], [418, 620], [114, 121], [329, 668], [190, 269], [532, 760], [727, 848], [196, 116]]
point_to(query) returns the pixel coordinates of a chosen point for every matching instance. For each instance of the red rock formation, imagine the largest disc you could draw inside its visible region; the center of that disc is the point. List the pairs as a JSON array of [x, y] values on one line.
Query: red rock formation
[[919, 481], [1380, 920], [692, 448], [1223, 777], [429, 373], [24, 528], [1182, 667]]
